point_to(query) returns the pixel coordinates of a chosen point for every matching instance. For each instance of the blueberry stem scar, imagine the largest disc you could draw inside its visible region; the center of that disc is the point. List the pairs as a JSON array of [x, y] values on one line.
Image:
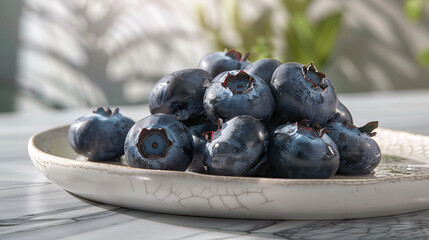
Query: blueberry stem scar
[[237, 55], [144, 136], [314, 127], [244, 82], [311, 68], [209, 135]]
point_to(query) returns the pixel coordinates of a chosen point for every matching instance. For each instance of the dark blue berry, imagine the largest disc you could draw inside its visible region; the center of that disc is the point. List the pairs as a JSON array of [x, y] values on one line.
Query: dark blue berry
[[159, 141], [197, 160], [275, 121], [181, 94], [302, 151], [342, 114], [198, 134], [199, 130], [264, 68], [101, 135], [301, 92], [359, 153], [236, 93], [236, 149], [218, 62]]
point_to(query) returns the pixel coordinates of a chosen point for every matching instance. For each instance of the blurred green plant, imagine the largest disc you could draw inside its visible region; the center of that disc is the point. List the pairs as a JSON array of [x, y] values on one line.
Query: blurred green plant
[[414, 11], [305, 40], [423, 58], [253, 36]]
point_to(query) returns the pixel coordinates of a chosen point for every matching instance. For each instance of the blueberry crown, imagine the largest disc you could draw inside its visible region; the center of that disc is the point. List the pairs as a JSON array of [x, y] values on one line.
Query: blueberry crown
[[237, 55], [369, 128], [366, 129], [313, 127], [241, 82], [209, 134], [310, 68], [106, 112], [153, 143]]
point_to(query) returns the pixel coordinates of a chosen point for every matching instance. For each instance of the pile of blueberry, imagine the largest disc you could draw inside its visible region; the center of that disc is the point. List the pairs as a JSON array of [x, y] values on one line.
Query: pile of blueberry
[[236, 118]]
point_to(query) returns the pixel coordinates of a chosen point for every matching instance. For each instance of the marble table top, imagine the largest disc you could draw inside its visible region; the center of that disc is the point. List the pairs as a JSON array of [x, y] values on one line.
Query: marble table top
[[33, 208]]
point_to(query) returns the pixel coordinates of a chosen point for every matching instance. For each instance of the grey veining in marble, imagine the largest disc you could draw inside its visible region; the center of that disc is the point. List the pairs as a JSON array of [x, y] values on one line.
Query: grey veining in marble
[[33, 208]]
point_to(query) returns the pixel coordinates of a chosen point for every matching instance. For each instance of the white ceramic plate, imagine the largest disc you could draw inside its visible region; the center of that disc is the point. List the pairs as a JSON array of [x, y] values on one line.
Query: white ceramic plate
[[400, 184]]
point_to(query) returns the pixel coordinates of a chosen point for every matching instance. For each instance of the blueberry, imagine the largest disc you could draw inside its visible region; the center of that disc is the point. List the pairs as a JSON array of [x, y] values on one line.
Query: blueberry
[[275, 121], [236, 149], [218, 62], [199, 130], [302, 151], [159, 141], [198, 134], [181, 94], [197, 160], [264, 68], [236, 93], [359, 153], [342, 114], [301, 92], [101, 135]]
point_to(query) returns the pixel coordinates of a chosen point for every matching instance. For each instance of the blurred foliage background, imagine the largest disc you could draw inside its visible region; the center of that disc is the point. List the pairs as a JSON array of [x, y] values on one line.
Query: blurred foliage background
[[305, 40], [415, 10], [71, 53]]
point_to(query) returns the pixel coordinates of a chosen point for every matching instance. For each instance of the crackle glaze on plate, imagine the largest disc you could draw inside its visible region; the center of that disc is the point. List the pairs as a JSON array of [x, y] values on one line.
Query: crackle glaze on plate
[[400, 184]]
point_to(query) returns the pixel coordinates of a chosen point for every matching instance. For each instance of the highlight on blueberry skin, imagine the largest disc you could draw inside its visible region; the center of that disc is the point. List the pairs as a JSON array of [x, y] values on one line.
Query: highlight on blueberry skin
[[218, 62], [264, 68], [359, 153], [180, 94], [100, 136], [302, 92], [237, 148], [159, 141], [235, 93], [302, 150]]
